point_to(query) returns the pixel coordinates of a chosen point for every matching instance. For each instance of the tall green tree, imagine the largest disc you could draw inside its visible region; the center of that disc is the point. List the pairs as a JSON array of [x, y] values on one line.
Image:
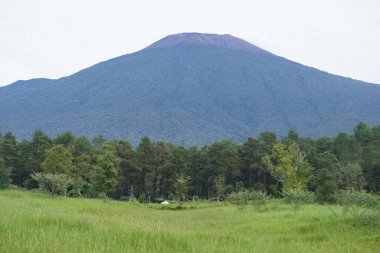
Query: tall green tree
[[193, 170], [250, 162], [288, 166], [66, 139], [82, 146], [58, 160], [181, 187], [161, 158], [83, 161], [144, 157], [326, 177], [266, 141], [362, 133], [106, 170], [5, 175], [129, 172], [39, 144], [352, 176], [99, 141], [224, 161], [9, 153], [279, 165], [21, 174]]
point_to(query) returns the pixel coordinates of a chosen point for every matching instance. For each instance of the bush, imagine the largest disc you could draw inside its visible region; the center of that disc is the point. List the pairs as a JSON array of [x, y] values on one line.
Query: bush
[[171, 196], [142, 198], [55, 184], [240, 199], [296, 198], [244, 197], [259, 187], [195, 198], [258, 199], [102, 195], [363, 206], [239, 186], [356, 199]]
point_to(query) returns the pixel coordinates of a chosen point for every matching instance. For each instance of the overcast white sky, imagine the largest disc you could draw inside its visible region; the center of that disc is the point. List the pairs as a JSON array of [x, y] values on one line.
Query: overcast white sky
[[51, 38]]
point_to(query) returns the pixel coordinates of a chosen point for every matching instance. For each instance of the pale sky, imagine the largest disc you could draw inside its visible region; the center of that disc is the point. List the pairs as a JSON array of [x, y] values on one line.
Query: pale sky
[[51, 38]]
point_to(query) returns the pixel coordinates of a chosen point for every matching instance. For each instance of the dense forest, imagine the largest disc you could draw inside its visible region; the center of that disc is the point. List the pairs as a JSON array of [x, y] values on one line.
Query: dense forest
[[153, 171]]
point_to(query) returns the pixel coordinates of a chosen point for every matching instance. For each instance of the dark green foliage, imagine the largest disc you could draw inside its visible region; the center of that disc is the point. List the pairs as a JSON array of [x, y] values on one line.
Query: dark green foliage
[[144, 157], [160, 170], [327, 185], [66, 139], [58, 160], [99, 141], [181, 187], [142, 199], [106, 170], [129, 173], [362, 133], [39, 144], [326, 178], [5, 175], [352, 176], [21, 173], [160, 165], [8, 150]]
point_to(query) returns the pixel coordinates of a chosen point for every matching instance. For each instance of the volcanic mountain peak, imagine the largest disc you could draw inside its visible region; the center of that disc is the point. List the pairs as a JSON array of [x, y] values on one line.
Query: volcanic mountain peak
[[217, 40], [190, 89]]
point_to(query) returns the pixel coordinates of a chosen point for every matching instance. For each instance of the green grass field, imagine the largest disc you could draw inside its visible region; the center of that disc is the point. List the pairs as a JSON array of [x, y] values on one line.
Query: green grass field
[[33, 222]]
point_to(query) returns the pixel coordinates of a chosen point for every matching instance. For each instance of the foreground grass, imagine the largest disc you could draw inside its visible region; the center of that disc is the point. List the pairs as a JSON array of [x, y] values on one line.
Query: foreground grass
[[32, 222]]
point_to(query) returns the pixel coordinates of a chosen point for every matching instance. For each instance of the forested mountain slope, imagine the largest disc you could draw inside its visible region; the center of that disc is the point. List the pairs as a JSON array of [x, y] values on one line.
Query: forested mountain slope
[[190, 89]]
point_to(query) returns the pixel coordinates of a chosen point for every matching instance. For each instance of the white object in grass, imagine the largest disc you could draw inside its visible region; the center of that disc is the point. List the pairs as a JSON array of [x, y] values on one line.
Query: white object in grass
[[165, 202]]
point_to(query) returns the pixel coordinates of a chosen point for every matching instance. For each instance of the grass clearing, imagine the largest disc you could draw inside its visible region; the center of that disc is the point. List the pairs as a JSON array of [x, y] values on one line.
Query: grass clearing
[[33, 222]]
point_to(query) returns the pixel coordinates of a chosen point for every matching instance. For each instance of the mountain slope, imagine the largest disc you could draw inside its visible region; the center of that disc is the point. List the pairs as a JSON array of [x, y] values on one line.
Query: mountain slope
[[190, 89]]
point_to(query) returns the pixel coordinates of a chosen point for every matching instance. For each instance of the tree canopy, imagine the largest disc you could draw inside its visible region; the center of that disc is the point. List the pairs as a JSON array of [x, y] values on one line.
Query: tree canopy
[[158, 170]]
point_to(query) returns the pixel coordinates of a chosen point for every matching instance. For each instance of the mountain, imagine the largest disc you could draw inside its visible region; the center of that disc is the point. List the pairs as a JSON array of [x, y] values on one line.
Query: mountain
[[190, 88]]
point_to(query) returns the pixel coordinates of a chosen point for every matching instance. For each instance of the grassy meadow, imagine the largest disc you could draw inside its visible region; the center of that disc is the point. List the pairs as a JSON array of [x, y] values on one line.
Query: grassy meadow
[[34, 222]]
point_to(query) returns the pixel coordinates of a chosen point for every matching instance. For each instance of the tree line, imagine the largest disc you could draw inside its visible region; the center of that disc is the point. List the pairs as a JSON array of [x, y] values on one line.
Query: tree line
[[76, 166]]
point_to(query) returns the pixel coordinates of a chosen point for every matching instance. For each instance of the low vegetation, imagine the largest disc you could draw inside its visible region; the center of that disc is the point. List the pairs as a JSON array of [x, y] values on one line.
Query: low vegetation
[[35, 222], [267, 195]]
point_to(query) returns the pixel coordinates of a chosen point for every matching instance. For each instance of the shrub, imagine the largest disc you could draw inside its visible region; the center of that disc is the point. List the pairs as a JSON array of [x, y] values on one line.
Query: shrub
[[363, 206], [259, 187], [102, 195], [142, 198], [240, 199], [55, 184], [296, 198], [258, 199], [325, 193], [239, 186], [244, 197], [355, 199], [196, 198]]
